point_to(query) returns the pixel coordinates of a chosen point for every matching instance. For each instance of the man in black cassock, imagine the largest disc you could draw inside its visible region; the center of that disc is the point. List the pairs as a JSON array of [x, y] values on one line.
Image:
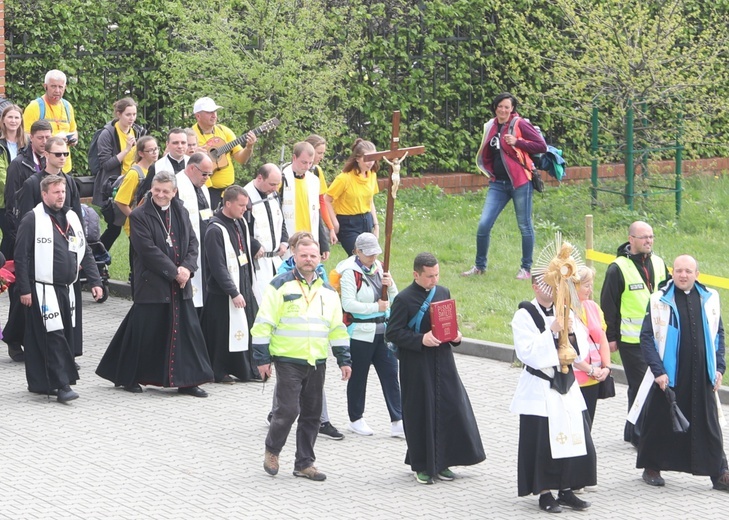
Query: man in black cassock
[[160, 342], [29, 196], [49, 250], [682, 339], [438, 420], [230, 307]]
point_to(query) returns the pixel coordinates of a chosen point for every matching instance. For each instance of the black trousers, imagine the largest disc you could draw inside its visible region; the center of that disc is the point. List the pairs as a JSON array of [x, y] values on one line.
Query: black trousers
[[635, 367], [376, 353]]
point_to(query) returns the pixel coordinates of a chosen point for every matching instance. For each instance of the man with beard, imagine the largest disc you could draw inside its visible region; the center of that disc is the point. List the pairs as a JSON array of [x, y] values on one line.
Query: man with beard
[[49, 251], [440, 428], [230, 307], [299, 318], [160, 342], [682, 340]]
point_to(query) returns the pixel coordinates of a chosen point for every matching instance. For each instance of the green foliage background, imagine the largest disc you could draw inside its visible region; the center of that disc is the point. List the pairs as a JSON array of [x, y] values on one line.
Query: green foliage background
[[340, 67]]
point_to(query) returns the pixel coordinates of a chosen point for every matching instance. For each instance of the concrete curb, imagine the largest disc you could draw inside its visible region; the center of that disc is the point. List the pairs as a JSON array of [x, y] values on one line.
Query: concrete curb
[[507, 354], [470, 347]]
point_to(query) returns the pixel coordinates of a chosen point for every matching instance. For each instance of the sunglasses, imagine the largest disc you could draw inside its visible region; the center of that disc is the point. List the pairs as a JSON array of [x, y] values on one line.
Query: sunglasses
[[61, 154], [204, 174]]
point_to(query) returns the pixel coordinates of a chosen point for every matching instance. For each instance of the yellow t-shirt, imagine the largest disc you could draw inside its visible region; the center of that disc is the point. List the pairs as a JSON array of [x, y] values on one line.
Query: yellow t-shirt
[[225, 176], [126, 194], [128, 158], [303, 219], [353, 193], [56, 116]]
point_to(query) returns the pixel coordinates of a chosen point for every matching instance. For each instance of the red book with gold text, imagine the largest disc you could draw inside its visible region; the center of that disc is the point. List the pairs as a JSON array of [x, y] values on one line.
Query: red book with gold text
[[443, 321]]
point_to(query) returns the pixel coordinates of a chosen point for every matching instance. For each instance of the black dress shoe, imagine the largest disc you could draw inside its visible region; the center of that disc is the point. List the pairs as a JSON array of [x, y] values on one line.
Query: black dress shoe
[[226, 379], [134, 388], [548, 503], [65, 394], [653, 478], [566, 497], [194, 391]]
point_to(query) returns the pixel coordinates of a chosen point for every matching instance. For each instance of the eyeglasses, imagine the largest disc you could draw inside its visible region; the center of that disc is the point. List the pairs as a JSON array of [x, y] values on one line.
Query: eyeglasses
[[151, 150], [204, 174], [60, 154], [644, 237]]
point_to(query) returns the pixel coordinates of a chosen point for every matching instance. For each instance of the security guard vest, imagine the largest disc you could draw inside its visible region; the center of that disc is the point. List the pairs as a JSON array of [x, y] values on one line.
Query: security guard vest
[[635, 297]]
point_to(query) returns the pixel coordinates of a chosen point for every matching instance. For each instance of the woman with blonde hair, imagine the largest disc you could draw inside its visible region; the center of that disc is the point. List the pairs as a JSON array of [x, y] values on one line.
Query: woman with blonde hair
[[592, 367], [12, 140]]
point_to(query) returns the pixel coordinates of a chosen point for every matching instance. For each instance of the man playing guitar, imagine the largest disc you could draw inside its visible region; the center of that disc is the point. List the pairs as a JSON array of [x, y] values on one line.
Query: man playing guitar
[[207, 130]]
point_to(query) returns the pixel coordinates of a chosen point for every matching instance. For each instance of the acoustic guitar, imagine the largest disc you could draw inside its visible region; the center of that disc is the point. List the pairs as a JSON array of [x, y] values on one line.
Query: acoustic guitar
[[218, 149]]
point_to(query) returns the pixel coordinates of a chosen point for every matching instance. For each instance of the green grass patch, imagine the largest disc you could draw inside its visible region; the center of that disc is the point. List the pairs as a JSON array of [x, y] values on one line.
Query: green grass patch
[[428, 220]]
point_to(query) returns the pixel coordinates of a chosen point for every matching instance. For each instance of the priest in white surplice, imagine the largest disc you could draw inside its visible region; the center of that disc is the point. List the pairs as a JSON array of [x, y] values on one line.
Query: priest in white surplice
[[194, 194], [555, 446], [49, 251], [230, 307], [268, 225]]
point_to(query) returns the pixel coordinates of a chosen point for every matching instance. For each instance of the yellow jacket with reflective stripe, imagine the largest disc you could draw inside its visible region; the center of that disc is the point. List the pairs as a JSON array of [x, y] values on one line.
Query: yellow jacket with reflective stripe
[[635, 297], [297, 322]]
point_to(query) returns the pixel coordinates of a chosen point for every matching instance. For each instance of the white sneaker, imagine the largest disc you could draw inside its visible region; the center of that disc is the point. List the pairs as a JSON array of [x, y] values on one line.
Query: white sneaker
[[360, 427], [396, 430]]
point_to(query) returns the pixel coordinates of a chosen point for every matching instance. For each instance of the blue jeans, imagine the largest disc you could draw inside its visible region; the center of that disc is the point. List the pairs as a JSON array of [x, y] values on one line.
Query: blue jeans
[[498, 195]]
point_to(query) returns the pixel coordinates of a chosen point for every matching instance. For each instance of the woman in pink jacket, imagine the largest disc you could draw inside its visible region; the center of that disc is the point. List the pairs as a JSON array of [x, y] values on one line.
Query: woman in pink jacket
[[504, 157]]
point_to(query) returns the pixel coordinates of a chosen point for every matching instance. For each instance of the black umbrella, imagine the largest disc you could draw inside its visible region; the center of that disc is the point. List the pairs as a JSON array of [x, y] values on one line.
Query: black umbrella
[[680, 423]]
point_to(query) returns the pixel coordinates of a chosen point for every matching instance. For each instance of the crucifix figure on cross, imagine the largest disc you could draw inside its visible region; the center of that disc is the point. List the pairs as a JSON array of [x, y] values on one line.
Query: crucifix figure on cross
[[394, 157]]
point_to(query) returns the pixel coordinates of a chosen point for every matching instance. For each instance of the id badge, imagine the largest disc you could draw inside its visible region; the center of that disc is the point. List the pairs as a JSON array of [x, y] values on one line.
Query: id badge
[[206, 213], [242, 259], [74, 244]]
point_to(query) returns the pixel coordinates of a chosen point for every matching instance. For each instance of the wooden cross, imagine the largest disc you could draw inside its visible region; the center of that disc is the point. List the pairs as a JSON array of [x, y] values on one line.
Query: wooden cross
[[394, 155]]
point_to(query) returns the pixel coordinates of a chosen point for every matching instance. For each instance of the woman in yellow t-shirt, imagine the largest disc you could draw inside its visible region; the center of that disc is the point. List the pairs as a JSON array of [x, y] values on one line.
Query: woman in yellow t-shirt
[[350, 197], [117, 147], [126, 195]]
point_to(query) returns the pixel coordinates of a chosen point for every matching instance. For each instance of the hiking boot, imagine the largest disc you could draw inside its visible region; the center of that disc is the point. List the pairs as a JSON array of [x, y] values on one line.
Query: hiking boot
[[328, 430], [311, 473], [446, 474], [472, 271], [270, 463], [423, 478], [567, 498], [524, 274]]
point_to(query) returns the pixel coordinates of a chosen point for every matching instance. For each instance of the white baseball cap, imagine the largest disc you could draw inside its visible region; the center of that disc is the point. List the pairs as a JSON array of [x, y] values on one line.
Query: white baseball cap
[[205, 104], [367, 243]]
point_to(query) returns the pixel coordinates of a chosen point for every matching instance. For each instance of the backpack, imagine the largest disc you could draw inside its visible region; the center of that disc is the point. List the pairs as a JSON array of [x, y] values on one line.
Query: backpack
[[551, 161], [42, 108], [111, 212], [93, 154], [335, 280]]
